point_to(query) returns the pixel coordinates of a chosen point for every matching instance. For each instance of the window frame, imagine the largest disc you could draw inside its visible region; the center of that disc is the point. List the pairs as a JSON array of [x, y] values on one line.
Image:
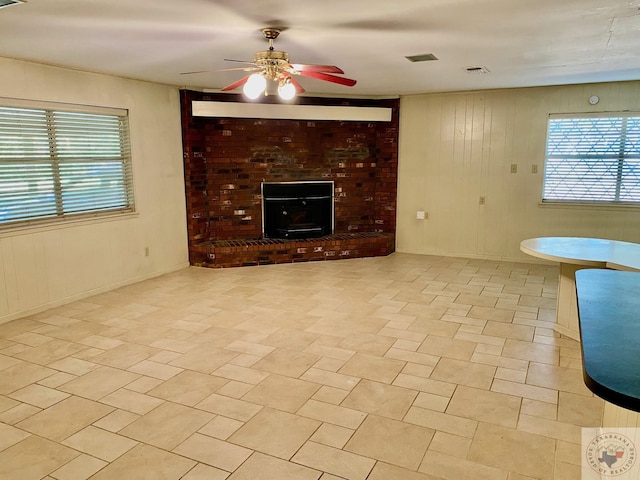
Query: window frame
[[621, 157], [91, 214]]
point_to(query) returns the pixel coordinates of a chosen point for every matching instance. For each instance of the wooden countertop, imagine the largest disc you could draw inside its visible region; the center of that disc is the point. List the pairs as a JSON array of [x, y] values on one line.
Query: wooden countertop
[[609, 314], [591, 252]]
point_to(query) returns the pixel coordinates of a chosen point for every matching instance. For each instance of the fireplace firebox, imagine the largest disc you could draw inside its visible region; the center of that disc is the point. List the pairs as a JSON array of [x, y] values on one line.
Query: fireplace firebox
[[297, 209]]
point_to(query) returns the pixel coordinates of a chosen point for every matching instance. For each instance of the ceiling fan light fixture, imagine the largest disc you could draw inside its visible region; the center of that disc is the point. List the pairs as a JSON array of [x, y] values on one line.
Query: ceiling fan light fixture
[[286, 90], [254, 86]]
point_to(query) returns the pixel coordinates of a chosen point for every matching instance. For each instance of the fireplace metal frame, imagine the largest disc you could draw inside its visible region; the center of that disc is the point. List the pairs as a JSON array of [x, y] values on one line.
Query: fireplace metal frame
[[297, 197]]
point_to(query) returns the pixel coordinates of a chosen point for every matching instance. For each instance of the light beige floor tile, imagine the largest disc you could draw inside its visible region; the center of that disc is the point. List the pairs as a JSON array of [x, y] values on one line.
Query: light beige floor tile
[[557, 378], [287, 362], [330, 395], [275, 433], [125, 355], [50, 352], [464, 373], [413, 357], [39, 396], [240, 374], [539, 409], [98, 383], [332, 435], [18, 413], [188, 388], [549, 428], [282, 393], [526, 391], [55, 380], [221, 427], [381, 438], [145, 462], [580, 410], [384, 471], [99, 443], [155, 370], [214, 452], [20, 375], [441, 421], [167, 426], [264, 466], [80, 468], [325, 412], [485, 406], [65, 418], [33, 458], [143, 384], [234, 389], [380, 399], [447, 467], [116, 420], [338, 462], [245, 360], [318, 349], [10, 436], [499, 361], [534, 352], [331, 379], [493, 445], [74, 366], [454, 445], [447, 347], [132, 401], [511, 375], [229, 407], [417, 370], [6, 403], [431, 401], [509, 330], [329, 364], [371, 367], [204, 359], [205, 472], [491, 314], [428, 385]]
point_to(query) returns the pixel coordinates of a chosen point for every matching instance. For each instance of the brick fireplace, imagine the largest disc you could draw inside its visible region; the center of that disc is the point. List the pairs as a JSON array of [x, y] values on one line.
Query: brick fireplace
[[226, 161]]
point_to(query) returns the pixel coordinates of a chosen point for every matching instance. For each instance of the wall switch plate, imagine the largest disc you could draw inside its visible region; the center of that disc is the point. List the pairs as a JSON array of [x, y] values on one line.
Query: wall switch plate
[[420, 215], [514, 168], [482, 200], [534, 168]]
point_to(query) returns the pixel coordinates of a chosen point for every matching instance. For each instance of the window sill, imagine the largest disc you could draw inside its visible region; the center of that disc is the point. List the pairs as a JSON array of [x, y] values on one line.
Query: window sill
[[38, 226], [590, 205]]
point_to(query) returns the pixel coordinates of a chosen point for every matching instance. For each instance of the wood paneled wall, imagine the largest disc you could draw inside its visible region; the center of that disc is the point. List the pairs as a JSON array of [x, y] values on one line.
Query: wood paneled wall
[[456, 147]]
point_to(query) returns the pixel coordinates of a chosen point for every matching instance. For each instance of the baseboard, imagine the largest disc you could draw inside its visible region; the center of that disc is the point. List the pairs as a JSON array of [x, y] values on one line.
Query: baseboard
[[88, 293]]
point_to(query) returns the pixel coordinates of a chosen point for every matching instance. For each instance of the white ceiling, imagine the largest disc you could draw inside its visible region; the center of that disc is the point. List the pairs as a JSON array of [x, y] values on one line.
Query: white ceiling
[[521, 42]]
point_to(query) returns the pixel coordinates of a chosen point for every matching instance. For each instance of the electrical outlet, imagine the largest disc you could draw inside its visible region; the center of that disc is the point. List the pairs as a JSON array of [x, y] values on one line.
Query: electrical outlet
[[534, 168], [514, 168], [483, 200], [146, 251]]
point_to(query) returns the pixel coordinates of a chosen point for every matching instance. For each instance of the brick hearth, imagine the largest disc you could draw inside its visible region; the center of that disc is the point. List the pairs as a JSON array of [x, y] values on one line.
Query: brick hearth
[[226, 159]]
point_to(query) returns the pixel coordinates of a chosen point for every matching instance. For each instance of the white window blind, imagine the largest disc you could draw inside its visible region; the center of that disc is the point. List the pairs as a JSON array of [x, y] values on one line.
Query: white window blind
[[56, 163], [593, 159]]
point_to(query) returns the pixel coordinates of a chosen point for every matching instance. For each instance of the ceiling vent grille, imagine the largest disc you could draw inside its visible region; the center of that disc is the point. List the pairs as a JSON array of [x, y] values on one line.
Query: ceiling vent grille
[[9, 3], [478, 70], [425, 57]]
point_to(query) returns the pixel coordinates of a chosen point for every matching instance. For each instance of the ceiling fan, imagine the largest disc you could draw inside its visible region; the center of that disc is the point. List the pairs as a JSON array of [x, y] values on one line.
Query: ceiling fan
[[274, 65]]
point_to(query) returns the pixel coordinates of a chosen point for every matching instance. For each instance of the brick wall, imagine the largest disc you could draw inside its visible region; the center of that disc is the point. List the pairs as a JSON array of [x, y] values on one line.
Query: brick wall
[[226, 159]]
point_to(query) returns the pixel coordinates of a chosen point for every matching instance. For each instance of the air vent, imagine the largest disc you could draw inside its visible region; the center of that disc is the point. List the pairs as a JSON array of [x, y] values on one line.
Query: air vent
[[9, 3], [425, 57], [476, 70]]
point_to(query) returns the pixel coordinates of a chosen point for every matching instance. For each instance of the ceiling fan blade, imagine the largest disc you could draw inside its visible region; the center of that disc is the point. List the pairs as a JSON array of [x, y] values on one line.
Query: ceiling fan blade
[[242, 69], [316, 68], [236, 84], [328, 78], [238, 61]]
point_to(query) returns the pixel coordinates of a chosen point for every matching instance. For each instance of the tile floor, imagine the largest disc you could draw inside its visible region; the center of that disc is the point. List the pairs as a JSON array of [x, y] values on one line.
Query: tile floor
[[404, 367]]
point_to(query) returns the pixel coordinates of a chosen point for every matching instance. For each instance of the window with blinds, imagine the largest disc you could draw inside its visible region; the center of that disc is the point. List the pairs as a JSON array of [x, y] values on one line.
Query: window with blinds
[[55, 164], [593, 159]]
